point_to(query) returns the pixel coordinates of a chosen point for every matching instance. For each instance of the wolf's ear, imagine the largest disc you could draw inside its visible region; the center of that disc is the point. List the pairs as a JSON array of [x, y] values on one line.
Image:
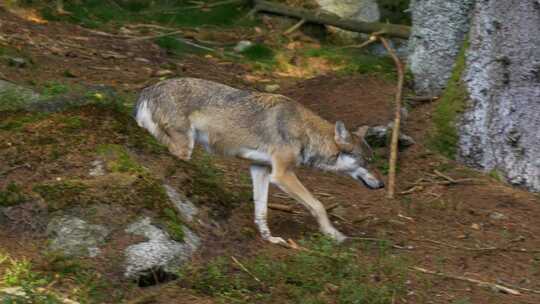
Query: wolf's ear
[[342, 136], [361, 131]]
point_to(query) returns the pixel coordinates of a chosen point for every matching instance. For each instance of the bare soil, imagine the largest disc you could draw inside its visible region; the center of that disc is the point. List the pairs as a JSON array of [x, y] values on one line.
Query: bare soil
[[482, 229]]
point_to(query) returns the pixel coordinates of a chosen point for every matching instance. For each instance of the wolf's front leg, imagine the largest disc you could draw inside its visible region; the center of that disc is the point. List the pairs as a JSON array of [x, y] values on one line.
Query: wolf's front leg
[[260, 176], [288, 182]]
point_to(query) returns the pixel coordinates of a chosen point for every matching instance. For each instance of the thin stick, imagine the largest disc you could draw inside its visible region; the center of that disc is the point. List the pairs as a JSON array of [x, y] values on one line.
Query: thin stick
[[470, 280], [294, 27], [281, 207], [397, 120], [448, 178], [245, 269], [520, 288]]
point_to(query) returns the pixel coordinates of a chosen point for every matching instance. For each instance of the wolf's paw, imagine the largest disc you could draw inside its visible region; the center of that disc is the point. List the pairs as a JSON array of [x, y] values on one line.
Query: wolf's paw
[[336, 235], [276, 240]]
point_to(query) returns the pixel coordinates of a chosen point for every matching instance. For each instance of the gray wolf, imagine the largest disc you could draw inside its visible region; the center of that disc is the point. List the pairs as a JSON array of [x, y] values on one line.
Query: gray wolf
[[274, 132]]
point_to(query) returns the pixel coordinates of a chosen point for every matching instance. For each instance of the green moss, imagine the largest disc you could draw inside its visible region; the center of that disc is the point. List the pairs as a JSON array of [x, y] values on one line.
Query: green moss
[[13, 99], [452, 103], [173, 224], [59, 194], [259, 52], [17, 122], [118, 159], [11, 195]]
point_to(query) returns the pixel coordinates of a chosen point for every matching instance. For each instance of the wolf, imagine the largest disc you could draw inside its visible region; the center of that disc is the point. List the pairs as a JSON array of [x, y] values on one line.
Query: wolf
[[274, 132]]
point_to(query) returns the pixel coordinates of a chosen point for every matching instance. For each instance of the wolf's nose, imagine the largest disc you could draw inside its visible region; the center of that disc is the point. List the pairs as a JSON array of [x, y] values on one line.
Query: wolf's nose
[[381, 185]]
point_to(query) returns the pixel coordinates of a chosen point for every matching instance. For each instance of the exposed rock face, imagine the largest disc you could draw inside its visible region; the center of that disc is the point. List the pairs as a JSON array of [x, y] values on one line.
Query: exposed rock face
[[359, 10], [185, 208], [75, 237], [438, 31], [499, 130], [159, 251]]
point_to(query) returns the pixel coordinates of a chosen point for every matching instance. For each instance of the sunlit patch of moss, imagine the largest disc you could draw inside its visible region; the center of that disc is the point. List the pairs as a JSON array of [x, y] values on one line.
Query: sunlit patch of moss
[[351, 61], [118, 159], [445, 137]]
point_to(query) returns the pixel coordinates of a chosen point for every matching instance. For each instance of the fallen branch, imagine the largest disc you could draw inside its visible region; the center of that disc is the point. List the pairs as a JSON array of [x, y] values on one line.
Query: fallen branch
[[517, 287], [321, 17], [448, 178], [480, 283], [282, 207], [246, 270], [422, 98], [294, 27], [397, 121]]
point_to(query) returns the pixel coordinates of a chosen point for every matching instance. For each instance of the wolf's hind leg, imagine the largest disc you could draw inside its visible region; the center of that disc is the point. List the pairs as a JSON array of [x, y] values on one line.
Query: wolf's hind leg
[[181, 143], [260, 176]]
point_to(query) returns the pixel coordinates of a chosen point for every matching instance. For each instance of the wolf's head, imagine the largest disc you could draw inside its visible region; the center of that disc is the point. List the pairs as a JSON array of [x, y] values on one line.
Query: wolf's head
[[354, 154]]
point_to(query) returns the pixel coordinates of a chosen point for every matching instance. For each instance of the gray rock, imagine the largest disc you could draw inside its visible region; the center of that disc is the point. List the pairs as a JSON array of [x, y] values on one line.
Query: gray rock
[[359, 10], [98, 168], [242, 46], [75, 237], [159, 251], [17, 62], [185, 208], [499, 129], [379, 136], [438, 31], [497, 216]]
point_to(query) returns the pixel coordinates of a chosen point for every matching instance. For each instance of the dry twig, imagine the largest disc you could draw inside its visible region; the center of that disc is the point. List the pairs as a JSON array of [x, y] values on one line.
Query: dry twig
[[397, 120], [495, 286], [294, 27], [245, 269]]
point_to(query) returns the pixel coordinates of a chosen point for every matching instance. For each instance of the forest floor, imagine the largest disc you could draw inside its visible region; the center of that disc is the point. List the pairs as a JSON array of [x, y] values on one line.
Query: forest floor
[[479, 228]]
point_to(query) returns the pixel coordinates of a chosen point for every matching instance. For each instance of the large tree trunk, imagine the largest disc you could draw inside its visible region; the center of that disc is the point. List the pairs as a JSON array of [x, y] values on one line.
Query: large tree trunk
[[439, 28], [500, 129], [489, 113]]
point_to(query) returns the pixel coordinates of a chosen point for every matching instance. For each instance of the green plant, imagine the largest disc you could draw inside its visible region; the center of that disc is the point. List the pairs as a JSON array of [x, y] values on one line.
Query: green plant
[[445, 138], [118, 159], [324, 273], [54, 88], [11, 195], [173, 224]]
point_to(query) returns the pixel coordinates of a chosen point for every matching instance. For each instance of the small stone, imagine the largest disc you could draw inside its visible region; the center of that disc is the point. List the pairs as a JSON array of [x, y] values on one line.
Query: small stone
[[242, 46], [185, 208], [498, 216], [271, 88], [98, 168], [161, 73], [143, 60], [475, 226], [17, 62]]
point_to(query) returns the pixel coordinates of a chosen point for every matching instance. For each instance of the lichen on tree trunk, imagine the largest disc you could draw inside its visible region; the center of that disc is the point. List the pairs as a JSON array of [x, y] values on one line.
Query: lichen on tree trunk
[[500, 127]]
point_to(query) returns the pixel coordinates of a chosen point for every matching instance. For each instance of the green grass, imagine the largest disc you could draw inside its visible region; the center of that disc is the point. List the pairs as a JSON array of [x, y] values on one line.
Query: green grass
[[100, 13], [445, 137], [178, 47], [118, 159], [354, 61], [173, 224], [11, 195], [327, 273]]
